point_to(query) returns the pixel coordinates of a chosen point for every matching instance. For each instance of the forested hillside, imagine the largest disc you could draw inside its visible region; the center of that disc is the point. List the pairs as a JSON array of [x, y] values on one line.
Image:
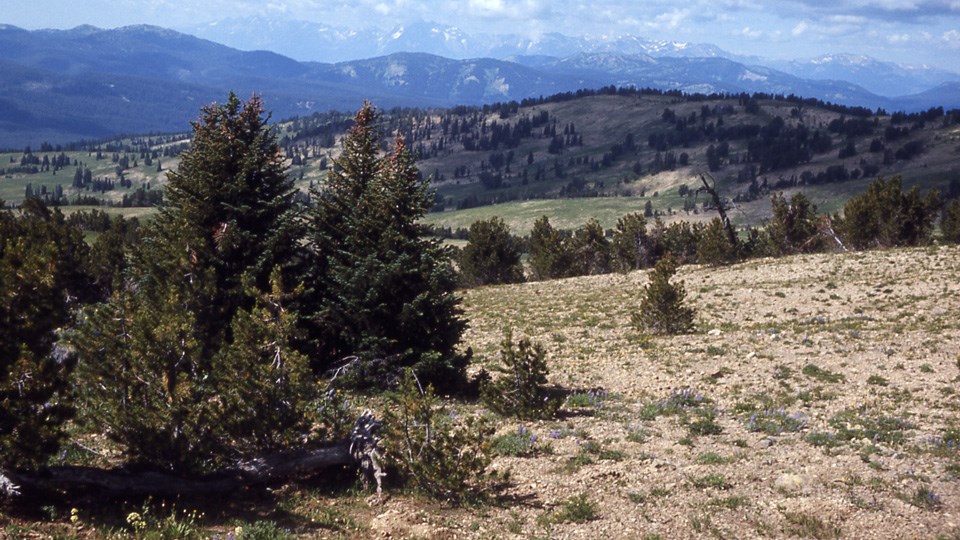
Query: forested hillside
[[639, 148]]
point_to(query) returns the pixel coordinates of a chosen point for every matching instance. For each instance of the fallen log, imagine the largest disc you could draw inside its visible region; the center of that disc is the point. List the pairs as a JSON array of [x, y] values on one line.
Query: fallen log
[[360, 449]]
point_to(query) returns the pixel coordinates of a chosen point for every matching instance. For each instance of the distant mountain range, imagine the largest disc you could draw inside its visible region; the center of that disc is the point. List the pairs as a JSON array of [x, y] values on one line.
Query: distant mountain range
[[62, 85], [310, 41]]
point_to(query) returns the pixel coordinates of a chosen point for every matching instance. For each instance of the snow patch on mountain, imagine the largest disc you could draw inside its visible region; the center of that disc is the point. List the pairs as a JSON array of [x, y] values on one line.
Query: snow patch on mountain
[[748, 75]]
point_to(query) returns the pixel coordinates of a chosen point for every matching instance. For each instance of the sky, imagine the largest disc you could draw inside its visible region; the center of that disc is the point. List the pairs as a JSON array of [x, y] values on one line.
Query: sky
[[916, 32]]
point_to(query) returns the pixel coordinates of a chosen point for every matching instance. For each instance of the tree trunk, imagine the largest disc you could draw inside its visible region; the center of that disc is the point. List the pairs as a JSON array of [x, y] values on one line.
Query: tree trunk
[[721, 209], [360, 449]]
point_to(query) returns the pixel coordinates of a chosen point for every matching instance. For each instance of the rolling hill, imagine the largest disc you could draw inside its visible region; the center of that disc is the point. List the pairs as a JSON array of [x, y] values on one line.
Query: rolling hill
[[597, 154]]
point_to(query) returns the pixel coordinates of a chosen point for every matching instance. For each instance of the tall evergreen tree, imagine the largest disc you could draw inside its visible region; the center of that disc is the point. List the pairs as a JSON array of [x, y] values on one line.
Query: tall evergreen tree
[[383, 290], [230, 205], [191, 363]]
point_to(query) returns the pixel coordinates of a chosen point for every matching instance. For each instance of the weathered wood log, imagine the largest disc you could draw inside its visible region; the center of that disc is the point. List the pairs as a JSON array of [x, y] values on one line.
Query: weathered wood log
[[360, 449], [721, 208]]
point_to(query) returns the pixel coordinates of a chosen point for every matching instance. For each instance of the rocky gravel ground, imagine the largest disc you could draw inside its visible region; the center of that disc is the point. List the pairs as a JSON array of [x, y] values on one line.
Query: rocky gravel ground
[[816, 399]]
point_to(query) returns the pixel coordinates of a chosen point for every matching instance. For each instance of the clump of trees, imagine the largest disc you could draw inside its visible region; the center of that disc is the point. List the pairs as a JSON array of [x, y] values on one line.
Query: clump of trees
[[885, 216], [206, 330], [192, 362]]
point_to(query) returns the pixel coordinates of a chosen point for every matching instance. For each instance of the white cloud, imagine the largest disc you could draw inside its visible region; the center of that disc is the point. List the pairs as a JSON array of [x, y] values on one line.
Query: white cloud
[[671, 19], [493, 6], [951, 38]]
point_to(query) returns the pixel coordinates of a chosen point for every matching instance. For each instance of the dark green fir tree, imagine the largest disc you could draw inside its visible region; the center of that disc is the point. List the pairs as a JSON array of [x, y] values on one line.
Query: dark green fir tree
[[492, 254], [662, 305], [384, 292], [191, 363]]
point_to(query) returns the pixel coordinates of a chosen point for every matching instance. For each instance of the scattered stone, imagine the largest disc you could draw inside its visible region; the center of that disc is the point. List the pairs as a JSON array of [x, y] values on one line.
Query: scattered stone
[[790, 482]]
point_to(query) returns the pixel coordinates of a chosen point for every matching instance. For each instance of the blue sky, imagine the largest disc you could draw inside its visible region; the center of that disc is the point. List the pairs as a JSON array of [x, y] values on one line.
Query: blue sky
[[906, 31]]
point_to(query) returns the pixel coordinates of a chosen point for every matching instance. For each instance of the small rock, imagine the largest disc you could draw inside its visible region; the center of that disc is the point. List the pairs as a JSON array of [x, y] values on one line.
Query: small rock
[[790, 482]]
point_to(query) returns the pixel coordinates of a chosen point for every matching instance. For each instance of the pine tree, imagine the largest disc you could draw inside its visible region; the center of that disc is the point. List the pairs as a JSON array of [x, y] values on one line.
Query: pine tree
[[662, 309], [591, 249], [713, 247], [384, 292], [885, 216], [492, 255], [793, 224], [950, 223], [108, 259], [521, 389], [631, 246], [231, 205], [41, 258], [190, 364], [550, 254]]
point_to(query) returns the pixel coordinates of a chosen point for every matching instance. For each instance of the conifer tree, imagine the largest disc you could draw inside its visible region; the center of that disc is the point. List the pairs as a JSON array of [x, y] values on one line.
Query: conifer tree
[[190, 364], [662, 309], [550, 253], [950, 223], [231, 205], [41, 258], [492, 255], [713, 247], [631, 246], [793, 224], [384, 293], [885, 216], [591, 249]]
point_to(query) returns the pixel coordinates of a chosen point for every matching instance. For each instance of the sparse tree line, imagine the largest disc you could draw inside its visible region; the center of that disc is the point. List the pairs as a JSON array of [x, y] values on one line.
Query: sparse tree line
[[883, 216]]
